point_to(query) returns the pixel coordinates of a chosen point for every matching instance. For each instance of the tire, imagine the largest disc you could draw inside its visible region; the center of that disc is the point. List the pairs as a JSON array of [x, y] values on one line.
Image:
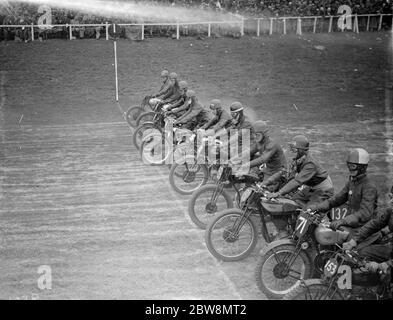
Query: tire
[[145, 117], [145, 152], [199, 207], [132, 115], [311, 289], [214, 237], [262, 281], [138, 133], [175, 179]]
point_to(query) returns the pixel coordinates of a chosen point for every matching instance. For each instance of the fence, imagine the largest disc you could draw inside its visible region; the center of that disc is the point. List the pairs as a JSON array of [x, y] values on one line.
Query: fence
[[252, 26]]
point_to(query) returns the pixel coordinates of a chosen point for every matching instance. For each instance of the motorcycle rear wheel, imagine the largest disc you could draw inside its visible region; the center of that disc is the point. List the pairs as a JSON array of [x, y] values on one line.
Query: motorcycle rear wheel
[[267, 280], [311, 289], [224, 235]]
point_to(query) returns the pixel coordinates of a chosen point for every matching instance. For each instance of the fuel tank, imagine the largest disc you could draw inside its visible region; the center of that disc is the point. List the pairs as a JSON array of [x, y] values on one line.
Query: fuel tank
[[327, 236]]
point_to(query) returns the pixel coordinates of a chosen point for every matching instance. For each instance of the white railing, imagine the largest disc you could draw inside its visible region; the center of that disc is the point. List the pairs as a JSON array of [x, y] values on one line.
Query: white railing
[[209, 24], [315, 18]]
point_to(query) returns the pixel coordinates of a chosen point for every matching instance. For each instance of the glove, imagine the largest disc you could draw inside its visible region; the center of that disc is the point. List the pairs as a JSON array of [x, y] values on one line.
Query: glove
[[312, 207], [273, 195], [384, 267], [336, 224], [372, 266], [349, 245]]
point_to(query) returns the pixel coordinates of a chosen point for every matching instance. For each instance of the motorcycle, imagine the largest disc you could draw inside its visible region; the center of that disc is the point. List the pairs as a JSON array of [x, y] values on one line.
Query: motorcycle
[[193, 169], [209, 199], [361, 283], [232, 234], [157, 123], [132, 114], [283, 263]]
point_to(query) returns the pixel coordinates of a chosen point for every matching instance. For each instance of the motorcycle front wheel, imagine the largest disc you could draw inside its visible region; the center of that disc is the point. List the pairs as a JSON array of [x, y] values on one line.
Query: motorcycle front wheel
[[312, 289], [202, 207], [281, 269], [187, 177], [155, 150], [145, 117], [132, 115], [231, 236], [139, 133]]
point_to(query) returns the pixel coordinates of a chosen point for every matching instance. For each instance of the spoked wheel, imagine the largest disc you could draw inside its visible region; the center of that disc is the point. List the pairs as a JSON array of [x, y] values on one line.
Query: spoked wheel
[[188, 177], [145, 117], [206, 202], [230, 236], [132, 115], [155, 149], [281, 269], [313, 289], [142, 131]]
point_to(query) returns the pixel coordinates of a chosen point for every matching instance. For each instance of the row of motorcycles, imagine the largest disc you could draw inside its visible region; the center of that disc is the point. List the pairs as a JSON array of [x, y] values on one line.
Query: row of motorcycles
[[233, 210]]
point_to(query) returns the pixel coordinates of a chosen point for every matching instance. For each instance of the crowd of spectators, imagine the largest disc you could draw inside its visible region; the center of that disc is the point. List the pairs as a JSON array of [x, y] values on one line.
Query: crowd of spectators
[[26, 14]]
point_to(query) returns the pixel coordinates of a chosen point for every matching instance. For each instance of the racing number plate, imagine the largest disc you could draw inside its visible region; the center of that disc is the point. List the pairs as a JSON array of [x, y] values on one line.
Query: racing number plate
[[339, 213], [302, 224], [330, 268]]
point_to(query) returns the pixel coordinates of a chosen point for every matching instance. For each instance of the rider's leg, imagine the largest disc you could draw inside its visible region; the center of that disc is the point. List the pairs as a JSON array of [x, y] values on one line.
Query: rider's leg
[[377, 252]]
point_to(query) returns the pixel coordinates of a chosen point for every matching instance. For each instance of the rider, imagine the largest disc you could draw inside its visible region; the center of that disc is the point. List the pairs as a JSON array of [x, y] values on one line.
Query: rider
[[221, 117], [239, 122], [195, 116], [174, 90], [165, 87], [269, 153], [309, 173], [360, 193], [376, 239], [171, 106]]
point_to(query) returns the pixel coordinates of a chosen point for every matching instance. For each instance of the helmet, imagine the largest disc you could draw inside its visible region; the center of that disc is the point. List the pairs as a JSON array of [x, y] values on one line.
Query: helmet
[[215, 103], [260, 127], [191, 94], [357, 161], [173, 75], [164, 73], [236, 106], [300, 142], [183, 84], [358, 156]]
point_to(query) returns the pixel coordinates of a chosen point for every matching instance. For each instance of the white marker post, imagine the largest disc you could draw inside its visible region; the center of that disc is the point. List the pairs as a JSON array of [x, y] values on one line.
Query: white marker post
[[115, 49]]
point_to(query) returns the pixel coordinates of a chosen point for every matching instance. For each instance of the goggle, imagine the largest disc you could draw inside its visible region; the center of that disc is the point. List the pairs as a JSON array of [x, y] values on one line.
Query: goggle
[[352, 166], [292, 148]]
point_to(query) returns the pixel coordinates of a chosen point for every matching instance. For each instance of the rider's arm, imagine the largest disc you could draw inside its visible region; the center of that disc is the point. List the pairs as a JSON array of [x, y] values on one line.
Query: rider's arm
[[190, 115], [169, 93], [164, 89], [179, 102], [183, 107], [307, 172], [335, 201], [274, 177], [366, 208], [374, 225], [265, 157], [223, 121], [209, 123]]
